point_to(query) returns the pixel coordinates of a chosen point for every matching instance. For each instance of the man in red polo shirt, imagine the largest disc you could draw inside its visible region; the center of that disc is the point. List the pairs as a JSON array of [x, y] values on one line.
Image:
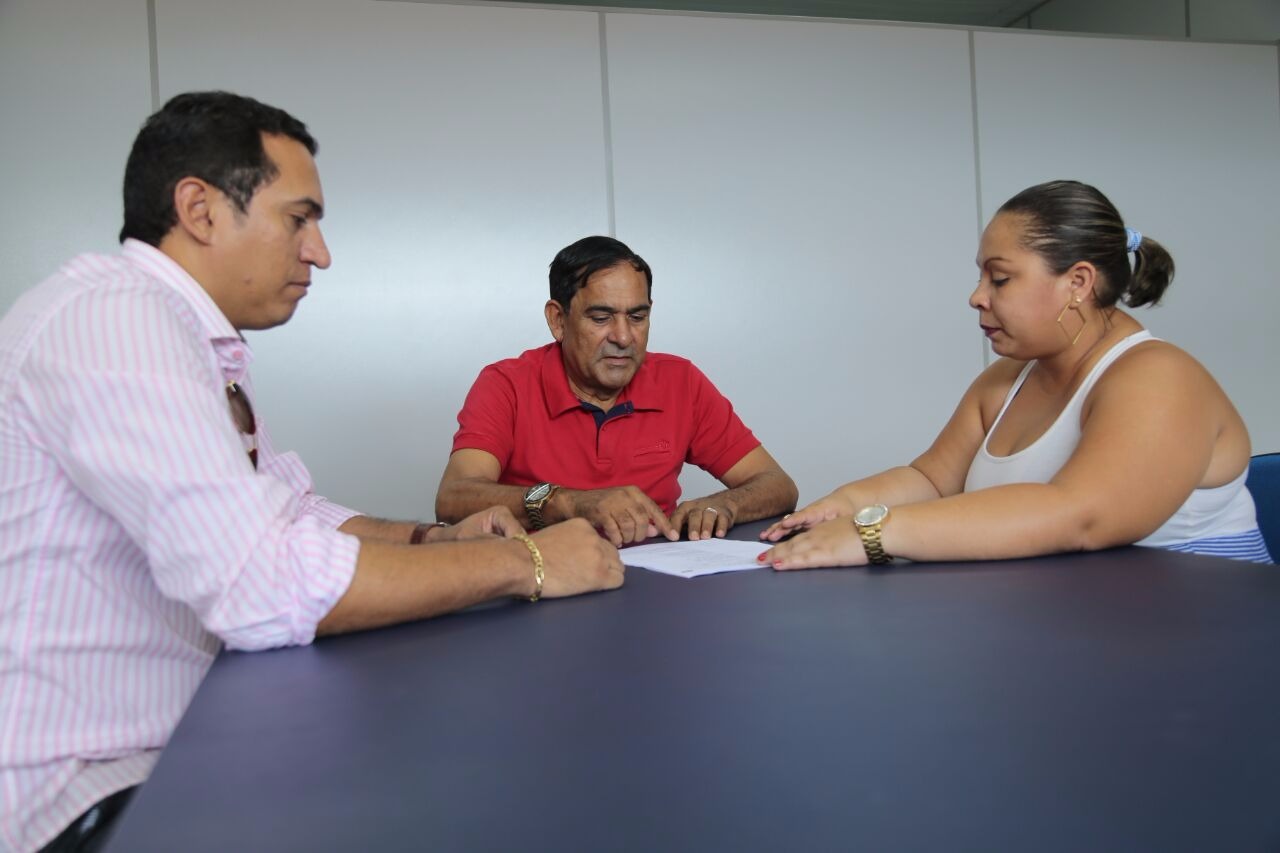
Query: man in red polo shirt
[[593, 426]]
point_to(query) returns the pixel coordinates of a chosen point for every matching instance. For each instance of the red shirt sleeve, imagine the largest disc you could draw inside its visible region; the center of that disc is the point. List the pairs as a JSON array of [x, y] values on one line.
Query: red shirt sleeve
[[488, 418], [720, 438]]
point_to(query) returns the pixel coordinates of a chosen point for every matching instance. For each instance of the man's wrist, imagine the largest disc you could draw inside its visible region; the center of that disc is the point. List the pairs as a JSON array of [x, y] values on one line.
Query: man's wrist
[[429, 531], [539, 573], [561, 506], [522, 580], [730, 506]]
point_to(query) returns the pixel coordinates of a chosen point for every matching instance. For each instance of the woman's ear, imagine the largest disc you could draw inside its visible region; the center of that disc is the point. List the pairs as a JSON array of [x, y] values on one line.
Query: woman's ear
[[1081, 278]]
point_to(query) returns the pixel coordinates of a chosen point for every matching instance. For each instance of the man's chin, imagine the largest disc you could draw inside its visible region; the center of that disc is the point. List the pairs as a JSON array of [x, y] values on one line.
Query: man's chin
[[268, 321], [614, 382]]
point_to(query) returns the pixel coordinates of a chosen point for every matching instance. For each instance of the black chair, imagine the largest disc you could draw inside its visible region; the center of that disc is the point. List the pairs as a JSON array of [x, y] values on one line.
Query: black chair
[[1264, 484]]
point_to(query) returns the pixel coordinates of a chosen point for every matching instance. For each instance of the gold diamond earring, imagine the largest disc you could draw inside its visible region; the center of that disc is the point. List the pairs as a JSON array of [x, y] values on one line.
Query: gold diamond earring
[[1072, 304]]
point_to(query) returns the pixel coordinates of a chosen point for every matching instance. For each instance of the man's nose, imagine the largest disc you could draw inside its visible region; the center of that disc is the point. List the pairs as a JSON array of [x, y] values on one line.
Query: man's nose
[[315, 251], [620, 331]]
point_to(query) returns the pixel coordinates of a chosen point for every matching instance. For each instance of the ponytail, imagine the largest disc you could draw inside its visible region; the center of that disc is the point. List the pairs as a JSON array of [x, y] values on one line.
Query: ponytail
[[1152, 273]]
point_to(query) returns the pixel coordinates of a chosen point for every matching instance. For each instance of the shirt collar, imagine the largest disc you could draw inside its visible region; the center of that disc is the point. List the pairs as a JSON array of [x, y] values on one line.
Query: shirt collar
[[168, 271], [232, 350], [641, 391]]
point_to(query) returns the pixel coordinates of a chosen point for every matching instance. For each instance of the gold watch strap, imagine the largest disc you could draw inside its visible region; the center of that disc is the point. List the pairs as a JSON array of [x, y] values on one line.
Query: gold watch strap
[[533, 509], [871, 543]]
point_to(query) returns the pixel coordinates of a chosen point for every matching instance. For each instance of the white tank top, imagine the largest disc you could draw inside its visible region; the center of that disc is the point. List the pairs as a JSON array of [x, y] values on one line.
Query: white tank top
[[1219, 511]]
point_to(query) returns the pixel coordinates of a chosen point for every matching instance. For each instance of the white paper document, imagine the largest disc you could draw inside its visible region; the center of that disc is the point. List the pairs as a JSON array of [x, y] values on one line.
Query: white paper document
[[694, 559]]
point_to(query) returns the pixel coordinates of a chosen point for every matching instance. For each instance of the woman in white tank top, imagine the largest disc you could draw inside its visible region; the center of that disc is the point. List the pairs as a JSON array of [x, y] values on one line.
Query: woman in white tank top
[[1087, 433]]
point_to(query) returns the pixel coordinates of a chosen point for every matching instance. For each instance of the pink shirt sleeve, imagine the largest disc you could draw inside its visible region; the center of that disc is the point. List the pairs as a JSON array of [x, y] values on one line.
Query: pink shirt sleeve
[[288, 467], [142, 428]]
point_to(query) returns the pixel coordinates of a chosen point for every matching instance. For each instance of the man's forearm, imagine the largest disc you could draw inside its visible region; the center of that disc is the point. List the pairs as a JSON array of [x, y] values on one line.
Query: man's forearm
[[372, 529], [459, 498], [766, 494], [395, 583]]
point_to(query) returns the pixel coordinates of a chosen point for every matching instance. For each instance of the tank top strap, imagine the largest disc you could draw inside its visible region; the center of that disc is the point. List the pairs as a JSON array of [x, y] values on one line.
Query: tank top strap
[[1008, 398], [1108, 359]]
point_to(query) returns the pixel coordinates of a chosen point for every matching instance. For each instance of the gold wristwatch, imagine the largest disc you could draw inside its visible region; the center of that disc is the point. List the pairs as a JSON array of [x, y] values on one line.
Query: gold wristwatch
[[869, 520], [535, 499]]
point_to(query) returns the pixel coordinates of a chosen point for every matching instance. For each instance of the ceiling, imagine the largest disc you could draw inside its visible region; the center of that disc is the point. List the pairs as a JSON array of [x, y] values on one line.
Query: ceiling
[[972, 13]]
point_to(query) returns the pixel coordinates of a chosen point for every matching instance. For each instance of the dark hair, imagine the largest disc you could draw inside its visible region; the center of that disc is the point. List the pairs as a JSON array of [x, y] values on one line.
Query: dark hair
[[577, 262], [1067, 222], [214, 136]]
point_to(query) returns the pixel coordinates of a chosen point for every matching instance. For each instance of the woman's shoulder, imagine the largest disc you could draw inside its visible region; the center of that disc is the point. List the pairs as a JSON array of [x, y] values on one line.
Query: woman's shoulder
[[998, 377], [1156, 384], [1154, 360], [1153, 372], [988, 392]]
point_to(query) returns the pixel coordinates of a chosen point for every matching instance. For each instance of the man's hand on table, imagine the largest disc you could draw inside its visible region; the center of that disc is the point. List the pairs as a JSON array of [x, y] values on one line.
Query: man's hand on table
[[623, 515]]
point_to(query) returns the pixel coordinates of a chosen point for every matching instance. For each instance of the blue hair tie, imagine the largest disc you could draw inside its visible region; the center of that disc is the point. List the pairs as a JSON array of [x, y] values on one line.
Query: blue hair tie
[[1134, 239]]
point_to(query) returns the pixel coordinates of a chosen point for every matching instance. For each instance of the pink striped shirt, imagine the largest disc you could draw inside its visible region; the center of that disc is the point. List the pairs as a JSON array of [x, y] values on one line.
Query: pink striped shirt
[[134, 533]]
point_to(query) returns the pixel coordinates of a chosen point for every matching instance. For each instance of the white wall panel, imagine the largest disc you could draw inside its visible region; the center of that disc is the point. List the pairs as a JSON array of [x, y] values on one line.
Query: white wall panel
[[1185, 140], [805, 193], [75, 86], [460, 147]]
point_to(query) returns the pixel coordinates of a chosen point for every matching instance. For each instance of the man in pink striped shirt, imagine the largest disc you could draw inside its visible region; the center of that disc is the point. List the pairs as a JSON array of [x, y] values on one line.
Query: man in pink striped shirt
[[136, 532]]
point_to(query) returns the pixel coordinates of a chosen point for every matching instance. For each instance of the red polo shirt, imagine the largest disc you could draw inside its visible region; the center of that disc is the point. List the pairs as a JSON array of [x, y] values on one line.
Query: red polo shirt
[[523, 412]]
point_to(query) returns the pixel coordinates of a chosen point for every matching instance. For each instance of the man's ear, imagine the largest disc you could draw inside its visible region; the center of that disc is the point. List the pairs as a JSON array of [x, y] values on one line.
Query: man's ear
[[193, 201], [554, 312]]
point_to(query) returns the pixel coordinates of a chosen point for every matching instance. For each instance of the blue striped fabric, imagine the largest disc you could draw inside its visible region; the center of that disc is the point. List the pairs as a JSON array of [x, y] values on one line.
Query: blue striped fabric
[[1238, 546]]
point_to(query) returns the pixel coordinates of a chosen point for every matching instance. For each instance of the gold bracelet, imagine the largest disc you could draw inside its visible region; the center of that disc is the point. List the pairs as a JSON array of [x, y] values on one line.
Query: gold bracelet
[[538, 574]]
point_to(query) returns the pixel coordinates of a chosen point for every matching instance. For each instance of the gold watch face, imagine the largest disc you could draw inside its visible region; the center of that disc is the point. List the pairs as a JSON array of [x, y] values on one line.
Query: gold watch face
[[537, 493], [871, 515]]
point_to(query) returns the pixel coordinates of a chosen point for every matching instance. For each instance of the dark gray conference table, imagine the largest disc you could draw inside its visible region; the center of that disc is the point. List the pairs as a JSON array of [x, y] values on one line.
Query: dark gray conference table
[[1123, 700]]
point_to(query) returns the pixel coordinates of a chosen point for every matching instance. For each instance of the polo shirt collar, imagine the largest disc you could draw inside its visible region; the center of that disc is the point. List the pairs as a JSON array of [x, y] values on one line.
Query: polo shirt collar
[[641, 391]]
